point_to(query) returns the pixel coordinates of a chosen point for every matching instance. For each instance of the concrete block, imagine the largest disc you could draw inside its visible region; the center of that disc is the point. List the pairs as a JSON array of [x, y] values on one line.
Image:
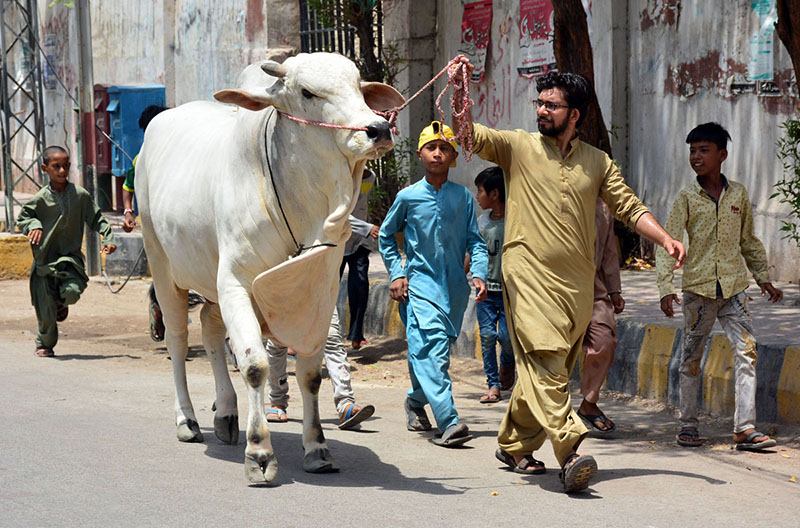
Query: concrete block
[[653, 363], [788, 388], [124, 260], [16, 256]]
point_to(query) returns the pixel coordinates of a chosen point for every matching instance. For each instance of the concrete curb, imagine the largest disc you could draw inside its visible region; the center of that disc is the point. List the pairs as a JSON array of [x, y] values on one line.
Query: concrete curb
[[646, 362], [16, 256]]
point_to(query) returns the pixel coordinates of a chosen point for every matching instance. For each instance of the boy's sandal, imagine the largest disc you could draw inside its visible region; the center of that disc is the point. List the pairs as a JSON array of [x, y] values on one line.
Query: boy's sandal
[[276, 415], [491, 396], [354, 415], [61, 313], [750, 444], [577, 472], [156, 324], [527, 466], [45, 352], [693, 438], [416, 417]]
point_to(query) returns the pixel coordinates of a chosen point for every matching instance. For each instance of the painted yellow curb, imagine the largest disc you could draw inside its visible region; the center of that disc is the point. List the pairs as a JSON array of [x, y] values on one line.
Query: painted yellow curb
[[394, 325], [653, 363], [789, 387], [718, 386], [15, 257]]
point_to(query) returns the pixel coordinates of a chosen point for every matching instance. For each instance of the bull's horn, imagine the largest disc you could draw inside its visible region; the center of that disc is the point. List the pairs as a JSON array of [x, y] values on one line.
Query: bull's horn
[[273, 68]]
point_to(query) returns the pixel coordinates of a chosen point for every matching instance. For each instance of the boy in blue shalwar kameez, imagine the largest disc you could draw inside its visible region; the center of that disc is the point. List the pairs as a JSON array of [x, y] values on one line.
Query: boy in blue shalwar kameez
[[437, 218]]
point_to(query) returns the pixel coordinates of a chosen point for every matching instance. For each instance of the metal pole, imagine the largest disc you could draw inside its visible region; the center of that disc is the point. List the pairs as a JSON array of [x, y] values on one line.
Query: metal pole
[[8, 176], [88, 143]]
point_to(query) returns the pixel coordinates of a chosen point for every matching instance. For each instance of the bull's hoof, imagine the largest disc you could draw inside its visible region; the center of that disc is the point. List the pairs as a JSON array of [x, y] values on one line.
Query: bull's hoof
[[319, 460], [260, 467], [189, 431], [227, 428]]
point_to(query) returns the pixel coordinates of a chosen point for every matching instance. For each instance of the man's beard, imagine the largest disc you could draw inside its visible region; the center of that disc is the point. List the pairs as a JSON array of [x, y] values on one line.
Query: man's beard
[[551, 129]]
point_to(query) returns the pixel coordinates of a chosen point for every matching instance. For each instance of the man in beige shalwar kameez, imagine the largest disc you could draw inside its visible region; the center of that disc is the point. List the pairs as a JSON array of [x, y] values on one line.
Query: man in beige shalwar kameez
[[553, 180]]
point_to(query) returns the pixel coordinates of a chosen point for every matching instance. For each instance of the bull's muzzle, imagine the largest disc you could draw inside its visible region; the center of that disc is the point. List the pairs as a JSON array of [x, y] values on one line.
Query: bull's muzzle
[[379, 131]]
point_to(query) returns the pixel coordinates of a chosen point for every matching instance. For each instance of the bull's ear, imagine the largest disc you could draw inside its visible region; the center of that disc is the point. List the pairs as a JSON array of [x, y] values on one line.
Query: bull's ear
[[380, 97], [244, 99]]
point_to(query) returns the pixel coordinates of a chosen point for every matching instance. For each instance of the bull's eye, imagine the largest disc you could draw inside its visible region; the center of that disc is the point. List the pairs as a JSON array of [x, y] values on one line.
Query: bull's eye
[[307, 94]]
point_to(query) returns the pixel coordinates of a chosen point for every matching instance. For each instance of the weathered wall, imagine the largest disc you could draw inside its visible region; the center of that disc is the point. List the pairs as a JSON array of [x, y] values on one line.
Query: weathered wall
[[194, 47], [682, 63], [662, 66]]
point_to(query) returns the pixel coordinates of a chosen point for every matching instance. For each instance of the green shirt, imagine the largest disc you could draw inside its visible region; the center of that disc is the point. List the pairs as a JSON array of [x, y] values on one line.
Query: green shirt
[[61, 216], [492, 233]]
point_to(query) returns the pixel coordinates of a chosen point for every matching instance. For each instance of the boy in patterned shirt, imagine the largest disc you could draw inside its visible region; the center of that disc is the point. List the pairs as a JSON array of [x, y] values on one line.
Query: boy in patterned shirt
[[717, 215]]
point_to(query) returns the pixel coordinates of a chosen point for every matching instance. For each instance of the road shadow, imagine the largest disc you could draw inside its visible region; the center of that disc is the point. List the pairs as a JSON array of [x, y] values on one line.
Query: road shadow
[[67, 357], [551, 482], [360, 466]]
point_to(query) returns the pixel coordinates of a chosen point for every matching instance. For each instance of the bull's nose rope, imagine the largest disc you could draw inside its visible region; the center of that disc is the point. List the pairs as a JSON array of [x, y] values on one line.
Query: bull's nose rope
[[453, 68]]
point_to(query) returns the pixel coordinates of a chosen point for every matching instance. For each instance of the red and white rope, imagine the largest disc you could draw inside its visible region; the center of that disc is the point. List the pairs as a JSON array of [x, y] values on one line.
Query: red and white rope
[[453, 68]]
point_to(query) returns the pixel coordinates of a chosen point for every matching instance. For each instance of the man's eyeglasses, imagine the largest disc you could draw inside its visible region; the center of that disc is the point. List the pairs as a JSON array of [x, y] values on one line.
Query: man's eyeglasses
[[550, 106]]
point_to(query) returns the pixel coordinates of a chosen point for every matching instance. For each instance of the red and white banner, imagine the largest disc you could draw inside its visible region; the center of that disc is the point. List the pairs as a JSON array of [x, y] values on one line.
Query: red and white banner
[[475, 26], [535, 38]]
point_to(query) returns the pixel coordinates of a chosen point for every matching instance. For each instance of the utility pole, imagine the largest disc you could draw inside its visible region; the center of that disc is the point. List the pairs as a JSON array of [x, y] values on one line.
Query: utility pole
[[87, 139]]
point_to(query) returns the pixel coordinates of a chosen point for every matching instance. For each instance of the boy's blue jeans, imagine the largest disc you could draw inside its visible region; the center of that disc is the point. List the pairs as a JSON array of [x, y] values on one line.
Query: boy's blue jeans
[[492, 322]]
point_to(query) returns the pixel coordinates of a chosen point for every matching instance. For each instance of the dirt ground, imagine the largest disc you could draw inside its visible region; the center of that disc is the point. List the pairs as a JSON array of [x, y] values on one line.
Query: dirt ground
[[116, 328]]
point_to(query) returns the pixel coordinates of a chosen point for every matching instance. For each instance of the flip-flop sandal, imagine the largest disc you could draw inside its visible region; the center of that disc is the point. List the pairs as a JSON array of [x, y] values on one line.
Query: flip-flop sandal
[[156, 330], [61, 313], [276, 415], [750, 445], [455, 435], [416, 418], [592, 419], [491, 397], [354, 415], [577, 471], [44, 352], [527, 466], [693, 434]]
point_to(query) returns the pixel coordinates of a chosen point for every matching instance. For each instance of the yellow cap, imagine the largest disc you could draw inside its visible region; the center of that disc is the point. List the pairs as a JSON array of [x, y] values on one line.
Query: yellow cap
[[437, 130]]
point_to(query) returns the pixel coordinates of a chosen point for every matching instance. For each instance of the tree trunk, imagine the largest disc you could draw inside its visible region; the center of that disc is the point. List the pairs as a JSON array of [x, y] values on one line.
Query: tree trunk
[[788, 27], [573, 51]]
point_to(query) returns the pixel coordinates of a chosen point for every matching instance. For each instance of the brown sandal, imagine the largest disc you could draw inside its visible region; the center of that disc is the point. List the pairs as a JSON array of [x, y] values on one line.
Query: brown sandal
[[45, 352]]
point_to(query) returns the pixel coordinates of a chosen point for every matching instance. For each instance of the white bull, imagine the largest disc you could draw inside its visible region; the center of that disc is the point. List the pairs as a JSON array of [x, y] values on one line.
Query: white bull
[[226, 194]]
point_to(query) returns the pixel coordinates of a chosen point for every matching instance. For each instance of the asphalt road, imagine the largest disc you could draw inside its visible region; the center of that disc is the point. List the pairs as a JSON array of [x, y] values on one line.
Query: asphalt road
[[87, 439]]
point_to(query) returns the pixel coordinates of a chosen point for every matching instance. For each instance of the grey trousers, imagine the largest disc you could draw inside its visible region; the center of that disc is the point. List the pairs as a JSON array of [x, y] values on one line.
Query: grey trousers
[[699, 314], [335, 361]]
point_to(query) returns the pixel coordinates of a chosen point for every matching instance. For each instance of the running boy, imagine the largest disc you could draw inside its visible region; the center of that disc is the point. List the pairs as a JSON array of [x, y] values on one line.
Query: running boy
[[491, 314], [53, 221], [437, 218], [717, 215]]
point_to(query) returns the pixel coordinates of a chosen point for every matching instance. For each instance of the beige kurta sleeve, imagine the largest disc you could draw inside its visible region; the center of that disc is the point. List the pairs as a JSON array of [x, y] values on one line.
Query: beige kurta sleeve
[[493, 145], [624, 204]]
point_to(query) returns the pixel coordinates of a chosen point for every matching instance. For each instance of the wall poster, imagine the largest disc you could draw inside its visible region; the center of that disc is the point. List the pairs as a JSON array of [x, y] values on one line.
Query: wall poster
[[475, 26]]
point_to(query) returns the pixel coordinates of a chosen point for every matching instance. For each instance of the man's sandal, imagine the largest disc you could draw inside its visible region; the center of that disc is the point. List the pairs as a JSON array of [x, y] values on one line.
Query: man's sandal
[[749, 443], [45, 352], [61, 312], [354, 415], [577, 471], [527, 466]]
